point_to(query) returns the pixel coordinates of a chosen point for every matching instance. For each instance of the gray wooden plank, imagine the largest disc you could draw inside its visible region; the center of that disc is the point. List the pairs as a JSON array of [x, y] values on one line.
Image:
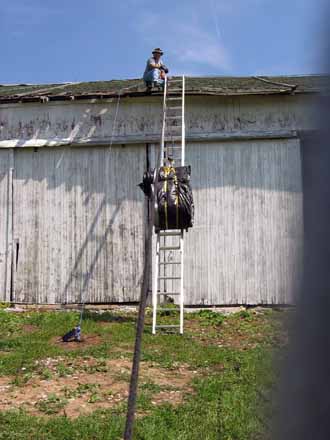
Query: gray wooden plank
[[6, 237], [79, 220], [245, 247]]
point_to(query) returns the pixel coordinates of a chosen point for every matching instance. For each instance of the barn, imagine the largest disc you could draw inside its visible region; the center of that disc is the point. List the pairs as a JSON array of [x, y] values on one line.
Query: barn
[[73, 220]]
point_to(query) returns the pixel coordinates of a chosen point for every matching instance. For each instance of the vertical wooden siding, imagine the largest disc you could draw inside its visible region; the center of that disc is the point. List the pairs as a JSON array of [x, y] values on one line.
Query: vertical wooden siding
[[245, 247], [79, 221], [5, 223]]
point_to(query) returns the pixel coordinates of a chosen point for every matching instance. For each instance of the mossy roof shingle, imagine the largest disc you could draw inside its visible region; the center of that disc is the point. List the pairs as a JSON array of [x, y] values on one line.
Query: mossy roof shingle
[[220, 85]]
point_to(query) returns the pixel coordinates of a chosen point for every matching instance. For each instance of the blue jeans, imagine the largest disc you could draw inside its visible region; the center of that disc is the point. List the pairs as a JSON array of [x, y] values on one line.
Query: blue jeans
[[153, 76]]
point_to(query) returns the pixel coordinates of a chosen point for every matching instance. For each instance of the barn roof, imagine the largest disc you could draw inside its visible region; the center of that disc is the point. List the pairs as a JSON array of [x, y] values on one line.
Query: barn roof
[[212, 85]]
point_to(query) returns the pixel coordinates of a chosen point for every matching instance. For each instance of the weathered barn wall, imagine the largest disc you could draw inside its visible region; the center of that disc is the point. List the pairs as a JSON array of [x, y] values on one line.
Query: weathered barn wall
[[78, 223], [93, 122], [246, 244], [78, 232]]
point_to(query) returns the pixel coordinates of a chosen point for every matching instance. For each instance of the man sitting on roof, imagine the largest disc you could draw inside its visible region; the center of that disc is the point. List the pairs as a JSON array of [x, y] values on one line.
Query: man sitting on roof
[[155, 72]]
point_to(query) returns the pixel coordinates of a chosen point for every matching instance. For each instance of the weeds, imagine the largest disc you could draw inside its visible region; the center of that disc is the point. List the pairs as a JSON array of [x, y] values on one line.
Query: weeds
[[46, 374], [221, 402], [208, 317], [53, 404]]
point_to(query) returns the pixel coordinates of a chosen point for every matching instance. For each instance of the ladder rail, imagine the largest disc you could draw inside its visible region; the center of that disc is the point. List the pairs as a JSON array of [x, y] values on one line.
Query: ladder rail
[[162, 144], [183, 141], [181, 285], [155, 287], [167, 280]]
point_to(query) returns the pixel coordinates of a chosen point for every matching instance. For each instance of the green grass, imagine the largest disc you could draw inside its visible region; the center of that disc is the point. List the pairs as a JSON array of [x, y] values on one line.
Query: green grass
[[230, 359]]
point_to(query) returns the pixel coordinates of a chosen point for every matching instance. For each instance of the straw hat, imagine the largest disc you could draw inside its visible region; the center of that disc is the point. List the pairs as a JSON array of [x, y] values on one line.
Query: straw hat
[[158, 50]]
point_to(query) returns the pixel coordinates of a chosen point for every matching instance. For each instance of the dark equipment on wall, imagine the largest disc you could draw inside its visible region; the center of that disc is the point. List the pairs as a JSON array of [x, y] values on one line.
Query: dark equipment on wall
[[174, 206]]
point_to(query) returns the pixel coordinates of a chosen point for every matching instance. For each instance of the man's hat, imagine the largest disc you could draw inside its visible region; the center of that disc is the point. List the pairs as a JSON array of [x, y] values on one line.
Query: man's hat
[[158, 50]]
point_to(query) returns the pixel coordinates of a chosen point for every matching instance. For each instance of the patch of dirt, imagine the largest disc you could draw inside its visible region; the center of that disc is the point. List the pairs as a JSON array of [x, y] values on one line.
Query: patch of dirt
[[87, 389], [174, 397], [85, 342], [29, 328]]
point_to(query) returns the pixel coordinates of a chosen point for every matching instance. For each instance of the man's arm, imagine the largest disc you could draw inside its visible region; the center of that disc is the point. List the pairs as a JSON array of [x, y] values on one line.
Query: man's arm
[[153, 65]]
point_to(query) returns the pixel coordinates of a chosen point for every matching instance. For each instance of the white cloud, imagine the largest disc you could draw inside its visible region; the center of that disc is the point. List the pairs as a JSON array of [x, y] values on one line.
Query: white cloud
[[200, 47], [189, 42]]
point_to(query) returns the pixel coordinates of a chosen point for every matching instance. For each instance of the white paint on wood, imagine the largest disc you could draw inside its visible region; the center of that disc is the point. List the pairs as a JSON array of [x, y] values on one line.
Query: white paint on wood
[[6, 237], [246, 245], [79, 221], [139, 119], [150, 138]]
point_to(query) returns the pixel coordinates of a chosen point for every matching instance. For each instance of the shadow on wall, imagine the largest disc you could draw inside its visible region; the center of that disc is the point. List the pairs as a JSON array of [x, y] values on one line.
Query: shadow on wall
[[273, 165], [94, 170], [67, 124], [93, 216], [79, 219], [83, 290]]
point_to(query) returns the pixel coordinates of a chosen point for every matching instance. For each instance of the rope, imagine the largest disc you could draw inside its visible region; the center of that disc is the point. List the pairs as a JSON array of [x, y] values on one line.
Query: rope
[[114, 122], [83, 302], [117, 110], [131, 404]]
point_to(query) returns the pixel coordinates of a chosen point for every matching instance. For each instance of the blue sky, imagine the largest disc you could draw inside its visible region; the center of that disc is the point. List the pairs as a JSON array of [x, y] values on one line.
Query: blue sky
[[47, 41]]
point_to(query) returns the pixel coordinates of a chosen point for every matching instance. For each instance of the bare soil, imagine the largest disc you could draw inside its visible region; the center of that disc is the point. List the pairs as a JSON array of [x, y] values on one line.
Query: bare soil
[[85, 342], [29, 328], [104, 389]]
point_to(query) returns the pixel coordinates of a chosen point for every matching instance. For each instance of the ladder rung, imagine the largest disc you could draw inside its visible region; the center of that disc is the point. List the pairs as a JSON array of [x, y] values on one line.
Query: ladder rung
[[169, 278], [169, 248], [169, 293]]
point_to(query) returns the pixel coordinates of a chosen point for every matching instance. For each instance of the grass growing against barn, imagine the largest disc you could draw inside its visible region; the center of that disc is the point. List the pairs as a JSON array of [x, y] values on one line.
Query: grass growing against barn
[[208, 384]]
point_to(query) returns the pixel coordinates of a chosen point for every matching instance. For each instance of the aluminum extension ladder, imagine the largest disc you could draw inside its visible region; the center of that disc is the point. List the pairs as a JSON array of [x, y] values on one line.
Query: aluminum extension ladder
[[168, 264]]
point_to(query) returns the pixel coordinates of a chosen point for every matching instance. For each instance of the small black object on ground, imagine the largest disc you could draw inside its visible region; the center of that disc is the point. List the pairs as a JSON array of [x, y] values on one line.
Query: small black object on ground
[[73, 335]]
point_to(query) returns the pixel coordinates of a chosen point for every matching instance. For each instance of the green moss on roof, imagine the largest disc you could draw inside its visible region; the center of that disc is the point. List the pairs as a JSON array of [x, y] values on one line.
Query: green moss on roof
[[210, 85]]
